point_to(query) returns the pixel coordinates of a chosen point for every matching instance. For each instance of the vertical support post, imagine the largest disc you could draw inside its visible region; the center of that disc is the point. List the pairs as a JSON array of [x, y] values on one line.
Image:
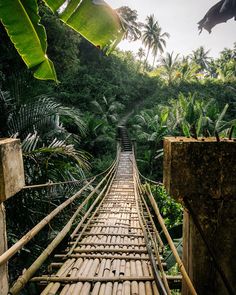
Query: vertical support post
[[201, 174], [11, 181], [3, 248]]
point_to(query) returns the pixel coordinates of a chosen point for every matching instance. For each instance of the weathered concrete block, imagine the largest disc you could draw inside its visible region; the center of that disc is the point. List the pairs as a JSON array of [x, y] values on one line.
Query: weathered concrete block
[[11, 168], [203, 173], [200, 167]]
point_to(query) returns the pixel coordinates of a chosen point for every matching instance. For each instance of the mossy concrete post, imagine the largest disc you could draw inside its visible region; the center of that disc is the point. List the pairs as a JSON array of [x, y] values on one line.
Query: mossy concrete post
[[11, 181], [201, 174]]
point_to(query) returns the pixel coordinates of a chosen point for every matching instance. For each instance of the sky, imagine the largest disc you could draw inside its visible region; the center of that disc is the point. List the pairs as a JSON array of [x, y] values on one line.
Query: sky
[[179, 18]]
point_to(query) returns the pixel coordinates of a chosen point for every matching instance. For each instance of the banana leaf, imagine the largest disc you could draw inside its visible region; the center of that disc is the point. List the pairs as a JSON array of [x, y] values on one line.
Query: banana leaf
[[21, 21], [95, 20]]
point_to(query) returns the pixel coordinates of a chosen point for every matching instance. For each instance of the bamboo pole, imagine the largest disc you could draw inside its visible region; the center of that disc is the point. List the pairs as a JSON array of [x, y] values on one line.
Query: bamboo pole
[[113, 234], [91, 279], [170, 242], [28, 237], [110, 244], [100, 256], [112, 250], [3, 247]]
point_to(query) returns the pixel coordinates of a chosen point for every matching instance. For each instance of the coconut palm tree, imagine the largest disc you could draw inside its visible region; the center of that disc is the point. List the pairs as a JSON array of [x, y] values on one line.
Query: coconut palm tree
[[186, 70], [159, 42], [201, 58], [169, 64], [153, 38], [148, 33], [140, 53]]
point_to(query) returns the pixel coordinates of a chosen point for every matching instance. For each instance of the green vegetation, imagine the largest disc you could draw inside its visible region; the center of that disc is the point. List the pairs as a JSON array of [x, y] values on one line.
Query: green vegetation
[[68, 130], [97, 22]]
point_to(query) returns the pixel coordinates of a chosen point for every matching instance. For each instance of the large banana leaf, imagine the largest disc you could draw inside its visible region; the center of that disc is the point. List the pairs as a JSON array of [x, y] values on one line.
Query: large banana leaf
[[21, 20], [93, 19]]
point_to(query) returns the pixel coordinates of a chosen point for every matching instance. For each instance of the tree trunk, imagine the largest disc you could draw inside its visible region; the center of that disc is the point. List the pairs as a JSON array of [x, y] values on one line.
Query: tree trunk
[[145, 63]]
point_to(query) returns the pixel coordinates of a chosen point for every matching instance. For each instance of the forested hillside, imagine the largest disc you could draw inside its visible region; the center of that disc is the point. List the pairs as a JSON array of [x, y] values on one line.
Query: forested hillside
[[68, 129]]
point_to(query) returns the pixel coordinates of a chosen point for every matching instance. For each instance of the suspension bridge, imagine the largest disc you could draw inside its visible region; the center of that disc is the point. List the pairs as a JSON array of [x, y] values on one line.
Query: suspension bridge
[[114, 246]]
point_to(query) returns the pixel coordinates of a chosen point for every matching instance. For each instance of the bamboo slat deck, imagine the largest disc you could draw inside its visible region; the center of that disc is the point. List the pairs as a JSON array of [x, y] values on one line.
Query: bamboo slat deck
[[110, 256]]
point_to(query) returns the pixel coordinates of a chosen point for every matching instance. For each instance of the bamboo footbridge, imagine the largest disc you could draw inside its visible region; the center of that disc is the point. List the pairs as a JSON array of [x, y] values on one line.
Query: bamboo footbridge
[[114, 246]]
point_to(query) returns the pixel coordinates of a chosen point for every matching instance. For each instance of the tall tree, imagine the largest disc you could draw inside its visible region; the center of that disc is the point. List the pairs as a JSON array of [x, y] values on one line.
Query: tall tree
[[153, 38], [148, 33], [201, 57], [140, 53], [159, 42]]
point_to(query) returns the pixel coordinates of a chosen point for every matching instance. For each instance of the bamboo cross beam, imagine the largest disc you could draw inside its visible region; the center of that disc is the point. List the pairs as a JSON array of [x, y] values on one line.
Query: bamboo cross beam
[[113, 234], [102, 256], [120, 279], [111, 244], [102, 250], [115, 226]]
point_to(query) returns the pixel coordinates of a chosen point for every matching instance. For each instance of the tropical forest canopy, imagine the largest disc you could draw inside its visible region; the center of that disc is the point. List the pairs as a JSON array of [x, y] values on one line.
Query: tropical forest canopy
[[68, 129]]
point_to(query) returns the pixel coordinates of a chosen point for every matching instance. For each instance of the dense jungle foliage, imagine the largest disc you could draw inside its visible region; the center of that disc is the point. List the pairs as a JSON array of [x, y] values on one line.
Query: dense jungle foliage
[[68, 130]]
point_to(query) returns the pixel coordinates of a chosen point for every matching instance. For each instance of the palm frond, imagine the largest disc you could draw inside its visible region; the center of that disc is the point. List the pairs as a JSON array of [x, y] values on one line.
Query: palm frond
[[31, 147], [38, 115]]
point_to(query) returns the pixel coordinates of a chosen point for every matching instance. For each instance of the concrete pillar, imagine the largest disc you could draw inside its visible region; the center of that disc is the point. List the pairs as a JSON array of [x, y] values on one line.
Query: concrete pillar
[[201, 174], [11, 181]]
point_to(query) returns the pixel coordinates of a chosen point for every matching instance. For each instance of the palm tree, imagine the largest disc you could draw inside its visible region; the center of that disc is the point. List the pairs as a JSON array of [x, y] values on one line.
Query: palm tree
[[151, 127], [201, 58], [159, 42], [108, 109], [47, 146], [187, 70], [153, 38], [169, 64], [140, 53], [148, 33]]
